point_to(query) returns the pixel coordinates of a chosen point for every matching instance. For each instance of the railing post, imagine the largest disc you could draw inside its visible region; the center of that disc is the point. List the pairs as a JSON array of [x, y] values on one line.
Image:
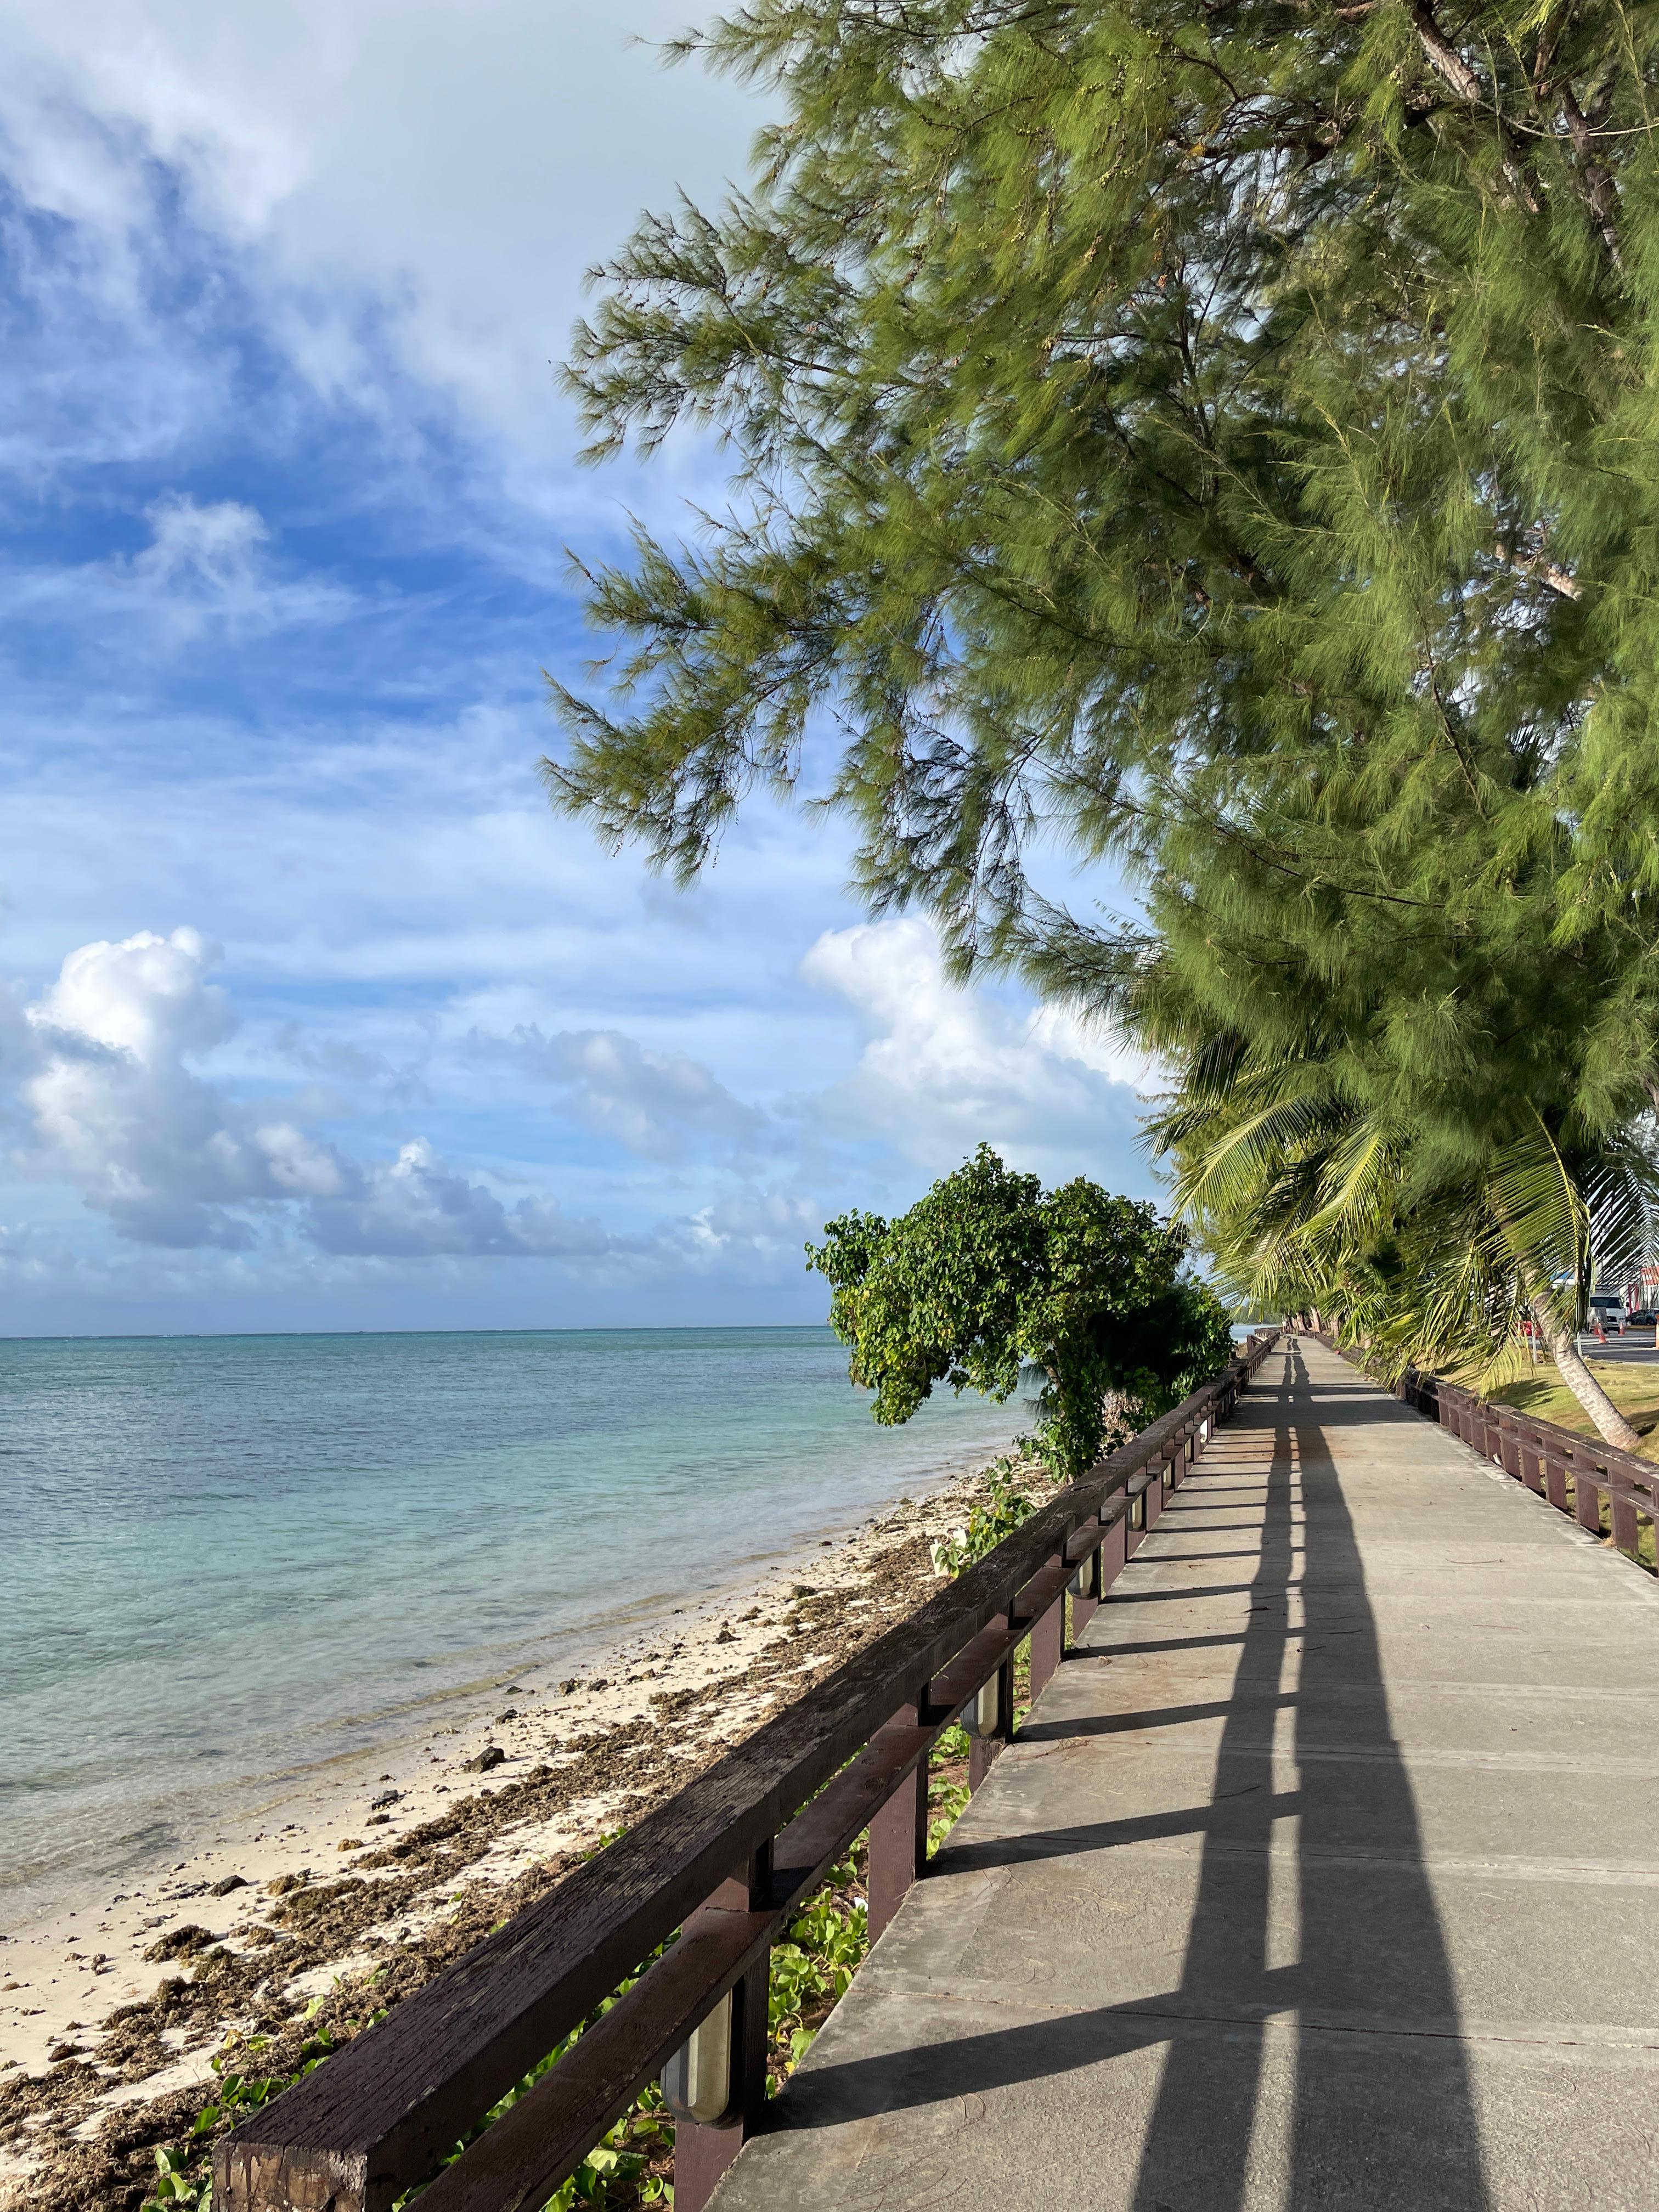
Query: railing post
[[1532, 1459], [703, 2150], [1509, 1441], [898, 1837], [1626, 1531], [1587, 1500], [1113, 1555], [1555, 1475], [1048, 1645], [1151, 1497]]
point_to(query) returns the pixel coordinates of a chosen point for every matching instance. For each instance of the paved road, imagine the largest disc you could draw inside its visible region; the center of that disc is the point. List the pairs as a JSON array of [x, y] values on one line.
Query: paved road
[[1326, 1875], [1635, 1348]]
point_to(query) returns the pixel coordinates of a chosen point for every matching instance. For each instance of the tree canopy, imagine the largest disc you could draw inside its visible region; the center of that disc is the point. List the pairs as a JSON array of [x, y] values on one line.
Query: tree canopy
[[1220, 442], [988, 1272]]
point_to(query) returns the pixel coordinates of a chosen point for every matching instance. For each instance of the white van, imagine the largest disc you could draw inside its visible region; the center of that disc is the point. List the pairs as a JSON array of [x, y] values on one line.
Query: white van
[[1606, 1308]]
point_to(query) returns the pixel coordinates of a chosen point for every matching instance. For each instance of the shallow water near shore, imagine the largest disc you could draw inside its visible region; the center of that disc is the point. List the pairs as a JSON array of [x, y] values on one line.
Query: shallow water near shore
[[231, 1559]]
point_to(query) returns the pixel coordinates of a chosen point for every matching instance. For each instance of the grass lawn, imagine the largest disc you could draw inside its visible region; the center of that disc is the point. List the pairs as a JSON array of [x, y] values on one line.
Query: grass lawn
[[1634, 1390]]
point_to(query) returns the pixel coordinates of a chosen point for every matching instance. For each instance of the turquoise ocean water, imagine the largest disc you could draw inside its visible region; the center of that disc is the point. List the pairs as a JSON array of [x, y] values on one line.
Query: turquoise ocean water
[[227, 1559]]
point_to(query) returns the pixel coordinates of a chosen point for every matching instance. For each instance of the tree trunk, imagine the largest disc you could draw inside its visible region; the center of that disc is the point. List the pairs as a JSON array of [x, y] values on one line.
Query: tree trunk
[[1610, 1423]]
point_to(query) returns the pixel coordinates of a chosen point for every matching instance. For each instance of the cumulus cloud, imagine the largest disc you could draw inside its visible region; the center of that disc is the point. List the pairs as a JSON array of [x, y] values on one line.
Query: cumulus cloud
[[655, 1105], [943, 1068], [136, 1092], [418, 1206], [149, 997], [759, 1218], [117, 1112], [172, 1158]]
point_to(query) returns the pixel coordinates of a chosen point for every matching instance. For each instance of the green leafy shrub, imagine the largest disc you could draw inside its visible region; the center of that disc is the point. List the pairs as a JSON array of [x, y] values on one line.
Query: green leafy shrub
[[1007, 1502], [988, 1273], [811, 1969]]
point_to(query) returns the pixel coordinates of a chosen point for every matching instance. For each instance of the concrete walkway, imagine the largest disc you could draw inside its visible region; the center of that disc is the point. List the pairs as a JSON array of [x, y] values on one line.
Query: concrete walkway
[[1326, 1875]]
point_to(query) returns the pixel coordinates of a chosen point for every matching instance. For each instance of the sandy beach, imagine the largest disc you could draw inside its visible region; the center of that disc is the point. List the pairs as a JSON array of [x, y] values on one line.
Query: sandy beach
[[344, 1894]]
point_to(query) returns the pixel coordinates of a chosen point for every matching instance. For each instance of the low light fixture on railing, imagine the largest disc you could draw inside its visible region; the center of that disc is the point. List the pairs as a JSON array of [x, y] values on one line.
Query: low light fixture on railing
[[696, 2082], [429, 2071], [1138, 1509], [984, 1710]]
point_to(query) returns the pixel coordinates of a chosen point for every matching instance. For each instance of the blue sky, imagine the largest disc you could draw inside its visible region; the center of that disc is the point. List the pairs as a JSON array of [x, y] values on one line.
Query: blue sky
[[314, 1016]]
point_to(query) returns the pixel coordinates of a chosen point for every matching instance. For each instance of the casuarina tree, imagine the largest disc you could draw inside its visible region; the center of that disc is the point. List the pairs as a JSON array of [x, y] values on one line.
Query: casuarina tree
[[1219, 441]]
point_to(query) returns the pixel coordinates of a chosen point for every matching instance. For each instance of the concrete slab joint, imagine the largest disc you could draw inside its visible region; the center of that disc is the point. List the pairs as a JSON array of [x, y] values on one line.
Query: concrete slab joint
[[1320, 1876]]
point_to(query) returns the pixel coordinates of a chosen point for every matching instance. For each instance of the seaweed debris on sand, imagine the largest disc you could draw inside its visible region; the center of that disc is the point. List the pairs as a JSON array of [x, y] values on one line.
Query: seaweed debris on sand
[[280, 1943]]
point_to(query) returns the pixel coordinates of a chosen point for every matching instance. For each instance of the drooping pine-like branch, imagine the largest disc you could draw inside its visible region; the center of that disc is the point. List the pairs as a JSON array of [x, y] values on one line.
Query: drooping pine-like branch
[[1217, 446]]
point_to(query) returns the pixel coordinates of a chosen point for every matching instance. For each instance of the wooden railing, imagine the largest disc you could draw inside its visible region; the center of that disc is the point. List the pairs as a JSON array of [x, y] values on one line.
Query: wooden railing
[[1575, 1473], [728, 1861], [1549, 1460]]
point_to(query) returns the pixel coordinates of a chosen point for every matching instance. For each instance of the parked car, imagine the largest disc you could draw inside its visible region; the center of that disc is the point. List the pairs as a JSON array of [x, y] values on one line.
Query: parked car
[[1643, 1317], [1607, 1312]]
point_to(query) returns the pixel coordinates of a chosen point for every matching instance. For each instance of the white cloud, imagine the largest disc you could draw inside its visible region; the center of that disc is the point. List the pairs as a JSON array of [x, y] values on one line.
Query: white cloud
[[173, 1159], [206, 563], [758, 1222], [140, 1107], [148, 998], [204, 566], [944, 1068], [118, 1113], [1065, 1033], [418, 1206], [460, 162], [213, 545], [653, 1104]]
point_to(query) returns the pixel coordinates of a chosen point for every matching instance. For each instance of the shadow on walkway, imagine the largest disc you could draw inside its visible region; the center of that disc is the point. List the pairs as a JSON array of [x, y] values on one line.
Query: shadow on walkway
[[1365, 1949], [1313, 2054]]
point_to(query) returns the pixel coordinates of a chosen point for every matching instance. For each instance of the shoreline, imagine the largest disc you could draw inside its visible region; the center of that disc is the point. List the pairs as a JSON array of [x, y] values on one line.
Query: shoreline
[[365, 1877], [170, 1826]]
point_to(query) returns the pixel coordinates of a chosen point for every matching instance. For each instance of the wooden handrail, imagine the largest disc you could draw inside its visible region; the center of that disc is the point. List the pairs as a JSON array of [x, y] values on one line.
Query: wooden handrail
[[727, 1862], [1543, 1454]]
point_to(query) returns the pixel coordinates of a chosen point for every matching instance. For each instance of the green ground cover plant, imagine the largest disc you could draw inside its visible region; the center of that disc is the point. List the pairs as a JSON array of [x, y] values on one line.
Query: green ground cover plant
[[1013, 1484], [811, 1967]]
